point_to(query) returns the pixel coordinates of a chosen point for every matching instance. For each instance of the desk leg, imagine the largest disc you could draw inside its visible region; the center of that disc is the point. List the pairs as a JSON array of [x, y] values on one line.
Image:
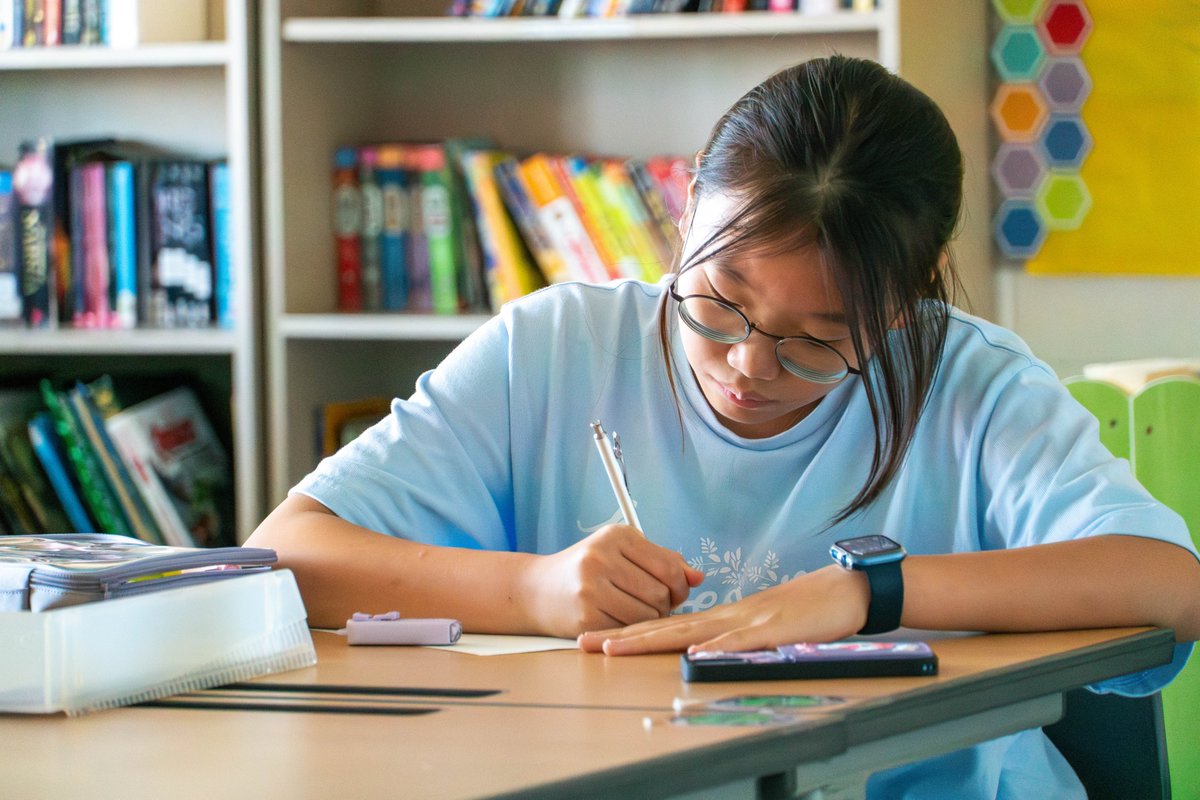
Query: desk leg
[[844, 777]]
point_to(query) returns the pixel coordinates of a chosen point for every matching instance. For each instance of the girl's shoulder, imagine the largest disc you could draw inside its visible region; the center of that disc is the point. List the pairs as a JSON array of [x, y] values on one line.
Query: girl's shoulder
[[983, 361], [616, 302], [981, 344]]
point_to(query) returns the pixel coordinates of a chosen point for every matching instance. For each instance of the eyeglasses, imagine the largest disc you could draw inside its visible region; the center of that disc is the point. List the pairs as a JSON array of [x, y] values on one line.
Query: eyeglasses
[[803, 356]]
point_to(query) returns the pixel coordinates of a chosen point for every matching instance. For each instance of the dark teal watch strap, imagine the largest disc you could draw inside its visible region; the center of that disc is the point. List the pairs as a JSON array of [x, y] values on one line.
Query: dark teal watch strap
[[887, 597]]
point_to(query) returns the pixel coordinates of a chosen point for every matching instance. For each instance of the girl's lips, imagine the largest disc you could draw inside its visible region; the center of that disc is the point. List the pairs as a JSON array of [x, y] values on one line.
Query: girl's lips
[[747, 401]]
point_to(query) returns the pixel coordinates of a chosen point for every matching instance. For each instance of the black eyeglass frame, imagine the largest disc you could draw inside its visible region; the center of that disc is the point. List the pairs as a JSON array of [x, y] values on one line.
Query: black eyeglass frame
[[798, 370]]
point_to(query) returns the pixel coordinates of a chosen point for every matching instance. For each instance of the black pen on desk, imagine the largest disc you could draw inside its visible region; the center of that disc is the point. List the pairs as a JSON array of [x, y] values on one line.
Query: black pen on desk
[[616, 475]]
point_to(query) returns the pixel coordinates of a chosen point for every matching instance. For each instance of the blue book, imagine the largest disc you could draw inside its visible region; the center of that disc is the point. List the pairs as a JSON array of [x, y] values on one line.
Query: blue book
[[394, 238], [10, 266], [122, 242], [223, 289], [53, 459]]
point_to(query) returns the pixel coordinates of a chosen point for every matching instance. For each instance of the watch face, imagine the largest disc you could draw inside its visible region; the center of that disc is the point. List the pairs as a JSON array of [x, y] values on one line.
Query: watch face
[[869, 545]]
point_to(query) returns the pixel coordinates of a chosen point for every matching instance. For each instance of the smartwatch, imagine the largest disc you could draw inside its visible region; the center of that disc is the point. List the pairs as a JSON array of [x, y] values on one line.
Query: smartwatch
[[879, 557]]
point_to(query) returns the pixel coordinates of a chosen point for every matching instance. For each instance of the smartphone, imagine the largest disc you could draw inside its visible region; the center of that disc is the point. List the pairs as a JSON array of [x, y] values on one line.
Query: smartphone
[[864, 659]]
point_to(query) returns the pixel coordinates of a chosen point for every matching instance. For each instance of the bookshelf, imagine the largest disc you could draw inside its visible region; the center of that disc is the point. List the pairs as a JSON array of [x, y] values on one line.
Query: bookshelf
[[346, 72], [197, 97]]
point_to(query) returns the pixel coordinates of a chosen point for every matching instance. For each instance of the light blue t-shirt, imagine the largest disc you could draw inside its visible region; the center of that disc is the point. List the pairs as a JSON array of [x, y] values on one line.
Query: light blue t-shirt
[[494, 450]]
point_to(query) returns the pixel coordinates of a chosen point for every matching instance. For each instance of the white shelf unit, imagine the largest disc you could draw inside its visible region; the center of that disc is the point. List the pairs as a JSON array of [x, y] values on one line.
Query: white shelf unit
[[195, 97], [345, 73]]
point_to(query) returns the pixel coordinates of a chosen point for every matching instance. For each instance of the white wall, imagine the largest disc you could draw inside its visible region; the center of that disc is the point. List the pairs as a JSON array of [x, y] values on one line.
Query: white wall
[[1072, 321]]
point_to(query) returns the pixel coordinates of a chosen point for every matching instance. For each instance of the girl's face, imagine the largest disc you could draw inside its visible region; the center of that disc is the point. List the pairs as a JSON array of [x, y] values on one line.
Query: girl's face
[[790, 294]]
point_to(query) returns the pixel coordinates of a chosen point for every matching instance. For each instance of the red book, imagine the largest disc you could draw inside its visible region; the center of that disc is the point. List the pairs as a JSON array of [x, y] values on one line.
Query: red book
[[347, 229], [96, 268]]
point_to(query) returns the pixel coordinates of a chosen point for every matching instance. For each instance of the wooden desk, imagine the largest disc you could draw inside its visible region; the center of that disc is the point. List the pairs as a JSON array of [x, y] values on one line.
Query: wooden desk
[[563, 723]]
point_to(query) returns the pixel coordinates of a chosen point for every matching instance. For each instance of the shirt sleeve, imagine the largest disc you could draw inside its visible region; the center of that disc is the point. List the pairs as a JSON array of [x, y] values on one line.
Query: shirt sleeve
[[436, 469], [1049, 478], [1046, 477]]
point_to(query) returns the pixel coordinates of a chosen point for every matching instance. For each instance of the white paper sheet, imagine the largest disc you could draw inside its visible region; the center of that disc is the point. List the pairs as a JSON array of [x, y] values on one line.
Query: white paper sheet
[[480, 644]]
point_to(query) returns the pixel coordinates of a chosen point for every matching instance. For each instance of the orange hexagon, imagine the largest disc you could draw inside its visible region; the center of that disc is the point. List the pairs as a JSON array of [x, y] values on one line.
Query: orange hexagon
[[1019, 111]]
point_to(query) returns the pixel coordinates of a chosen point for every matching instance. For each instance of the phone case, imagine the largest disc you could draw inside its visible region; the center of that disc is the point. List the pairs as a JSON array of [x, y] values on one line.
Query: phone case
[[829, 660]]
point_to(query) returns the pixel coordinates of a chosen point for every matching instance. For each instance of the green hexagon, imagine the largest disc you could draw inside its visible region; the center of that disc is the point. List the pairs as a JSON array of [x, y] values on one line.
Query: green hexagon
[[1063, 200], [1018, 10]]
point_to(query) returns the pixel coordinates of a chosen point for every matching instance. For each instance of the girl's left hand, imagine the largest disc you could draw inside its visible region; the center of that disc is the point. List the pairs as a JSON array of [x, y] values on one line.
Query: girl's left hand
[[822, 606]]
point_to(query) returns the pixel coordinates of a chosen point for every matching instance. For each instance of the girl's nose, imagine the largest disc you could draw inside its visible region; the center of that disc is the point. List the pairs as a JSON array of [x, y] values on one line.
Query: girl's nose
[[755, 357]]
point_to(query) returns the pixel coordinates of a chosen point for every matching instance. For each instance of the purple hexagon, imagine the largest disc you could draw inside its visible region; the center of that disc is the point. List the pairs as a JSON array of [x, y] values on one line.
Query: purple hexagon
[[1017, 169], [1065, 83]]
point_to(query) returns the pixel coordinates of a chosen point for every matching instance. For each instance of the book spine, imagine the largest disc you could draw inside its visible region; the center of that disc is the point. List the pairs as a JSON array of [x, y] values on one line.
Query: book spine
[[222, 241], [184, 249], [623, 198], [151, 299], [347, 229], [33, 184], [561, 222], [419, 293], [520, 207], [76, 294], [53, 22], [17, 516], [472, 280], [123, 243], [72, 21], [585, 178], [10, 267], [96, 265], [397, 222], [591, 215], [514, 274], [49, 450], [372, 230], [92, 23], [439, 233], [668, 234], [476, 166], [95, 490], [113, 468], [17, 454], [671, 176], [34, 26], [137, 452]]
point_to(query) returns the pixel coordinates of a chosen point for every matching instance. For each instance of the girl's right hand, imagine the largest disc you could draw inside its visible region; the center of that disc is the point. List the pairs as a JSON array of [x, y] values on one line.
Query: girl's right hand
[[613, 578]]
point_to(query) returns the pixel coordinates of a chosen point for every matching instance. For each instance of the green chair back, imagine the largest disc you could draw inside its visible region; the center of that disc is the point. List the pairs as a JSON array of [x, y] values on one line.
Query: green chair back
[[1162, 443]]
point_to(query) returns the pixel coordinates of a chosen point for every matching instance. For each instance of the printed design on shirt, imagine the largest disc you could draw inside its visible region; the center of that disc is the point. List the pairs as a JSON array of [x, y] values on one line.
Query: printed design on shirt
[[737, 576]]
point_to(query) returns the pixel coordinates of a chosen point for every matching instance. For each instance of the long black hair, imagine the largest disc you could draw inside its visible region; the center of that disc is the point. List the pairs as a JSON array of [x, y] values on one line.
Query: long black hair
[[839, 154]]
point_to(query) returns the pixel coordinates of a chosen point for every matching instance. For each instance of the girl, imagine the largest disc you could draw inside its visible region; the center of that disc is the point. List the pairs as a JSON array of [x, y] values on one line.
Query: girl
[[800, 381]]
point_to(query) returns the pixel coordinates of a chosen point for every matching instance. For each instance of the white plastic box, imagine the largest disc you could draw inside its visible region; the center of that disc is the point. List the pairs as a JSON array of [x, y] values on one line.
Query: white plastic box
[[134, 649]]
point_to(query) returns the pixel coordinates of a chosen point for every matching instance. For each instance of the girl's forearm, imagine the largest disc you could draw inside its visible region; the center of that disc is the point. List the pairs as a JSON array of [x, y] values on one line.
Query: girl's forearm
[[342, 568], [1102, 581]]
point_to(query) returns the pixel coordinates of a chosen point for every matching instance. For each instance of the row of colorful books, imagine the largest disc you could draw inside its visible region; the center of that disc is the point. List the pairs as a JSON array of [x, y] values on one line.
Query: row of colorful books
[[73, 460], [461, 225], [114, 234], [619, 8], [111, 23]]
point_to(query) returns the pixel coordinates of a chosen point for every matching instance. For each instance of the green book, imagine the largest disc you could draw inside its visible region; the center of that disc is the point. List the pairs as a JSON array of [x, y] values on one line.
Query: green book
[[96, 491], [437, 223]]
